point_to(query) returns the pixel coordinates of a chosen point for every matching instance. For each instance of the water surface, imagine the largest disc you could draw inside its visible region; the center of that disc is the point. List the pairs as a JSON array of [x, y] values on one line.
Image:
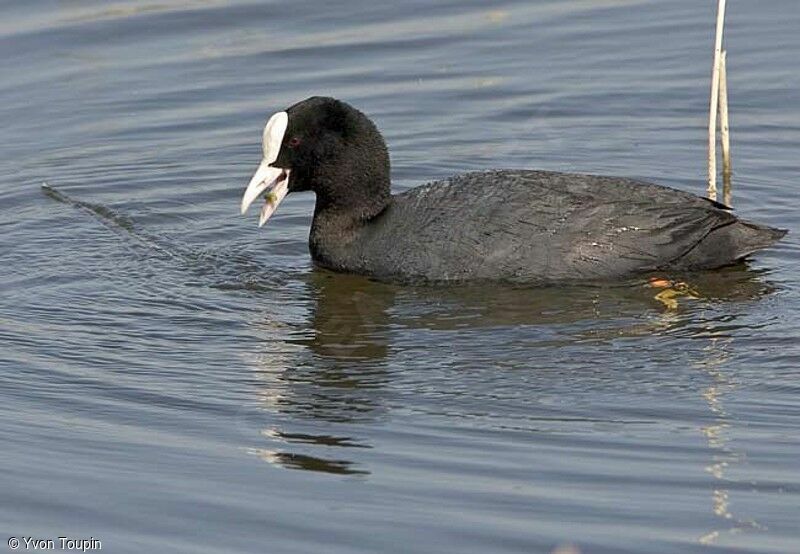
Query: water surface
[[173, 379]]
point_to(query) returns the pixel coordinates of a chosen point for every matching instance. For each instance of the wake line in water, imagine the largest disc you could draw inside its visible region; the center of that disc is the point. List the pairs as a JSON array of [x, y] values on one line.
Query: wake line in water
[[236, 271], [108, 217]]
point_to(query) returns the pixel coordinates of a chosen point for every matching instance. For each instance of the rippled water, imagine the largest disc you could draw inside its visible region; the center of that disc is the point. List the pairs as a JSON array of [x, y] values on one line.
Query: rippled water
[[173, 379]]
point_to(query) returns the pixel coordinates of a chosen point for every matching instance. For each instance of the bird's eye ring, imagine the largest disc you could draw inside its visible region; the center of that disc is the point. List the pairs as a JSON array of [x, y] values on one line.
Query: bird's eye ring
[[294, 142]]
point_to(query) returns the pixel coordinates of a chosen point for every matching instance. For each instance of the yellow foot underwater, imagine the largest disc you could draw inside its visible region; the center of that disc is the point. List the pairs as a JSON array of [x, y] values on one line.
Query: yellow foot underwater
[[673, 290]]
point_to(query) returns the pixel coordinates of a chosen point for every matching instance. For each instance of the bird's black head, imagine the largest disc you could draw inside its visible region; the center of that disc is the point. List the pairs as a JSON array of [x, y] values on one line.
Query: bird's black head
[[326, 146]]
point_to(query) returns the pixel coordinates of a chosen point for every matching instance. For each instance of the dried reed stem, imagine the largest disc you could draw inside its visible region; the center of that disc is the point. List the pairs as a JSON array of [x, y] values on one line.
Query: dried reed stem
[[724, 128], [714, 103]]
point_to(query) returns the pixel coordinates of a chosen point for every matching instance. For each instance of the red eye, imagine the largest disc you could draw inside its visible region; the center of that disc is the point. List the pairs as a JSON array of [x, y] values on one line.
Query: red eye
[[294, 142]]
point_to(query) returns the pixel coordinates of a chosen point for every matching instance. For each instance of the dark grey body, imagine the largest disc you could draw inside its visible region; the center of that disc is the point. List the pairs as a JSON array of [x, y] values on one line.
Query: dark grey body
[[536, 227], [531, 227]]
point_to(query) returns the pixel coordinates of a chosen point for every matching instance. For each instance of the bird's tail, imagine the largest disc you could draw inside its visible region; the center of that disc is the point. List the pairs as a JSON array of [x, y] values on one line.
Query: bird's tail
[[748, 237], [727, 244]]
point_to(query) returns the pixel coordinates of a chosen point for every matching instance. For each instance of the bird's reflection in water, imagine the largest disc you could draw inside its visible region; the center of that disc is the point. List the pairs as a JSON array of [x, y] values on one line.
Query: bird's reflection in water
[[337, 373], [730, 284], [335, 368]]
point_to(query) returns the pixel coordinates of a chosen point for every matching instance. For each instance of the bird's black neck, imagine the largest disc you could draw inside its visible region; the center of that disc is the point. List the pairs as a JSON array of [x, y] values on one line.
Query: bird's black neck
[[339, 221]]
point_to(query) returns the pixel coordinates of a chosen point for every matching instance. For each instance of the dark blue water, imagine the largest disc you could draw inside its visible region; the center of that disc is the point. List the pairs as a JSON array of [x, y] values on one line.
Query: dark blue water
[[173, 379]]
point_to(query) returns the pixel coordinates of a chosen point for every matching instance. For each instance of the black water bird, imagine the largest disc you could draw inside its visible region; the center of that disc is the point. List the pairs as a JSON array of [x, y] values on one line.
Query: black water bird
[[523, 226]]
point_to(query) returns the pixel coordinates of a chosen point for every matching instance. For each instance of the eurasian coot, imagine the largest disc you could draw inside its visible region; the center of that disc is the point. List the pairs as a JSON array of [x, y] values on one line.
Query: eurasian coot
[[510, 225]]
